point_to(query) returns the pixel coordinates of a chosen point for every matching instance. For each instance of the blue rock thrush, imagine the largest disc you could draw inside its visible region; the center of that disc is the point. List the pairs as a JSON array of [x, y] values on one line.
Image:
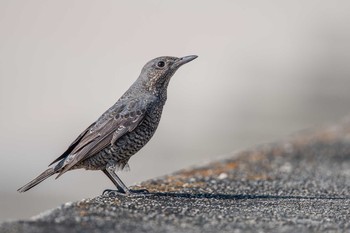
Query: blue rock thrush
[[108, 143]]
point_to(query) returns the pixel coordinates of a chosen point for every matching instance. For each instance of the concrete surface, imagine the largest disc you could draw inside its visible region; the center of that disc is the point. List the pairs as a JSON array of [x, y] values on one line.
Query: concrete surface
[[300, 184]]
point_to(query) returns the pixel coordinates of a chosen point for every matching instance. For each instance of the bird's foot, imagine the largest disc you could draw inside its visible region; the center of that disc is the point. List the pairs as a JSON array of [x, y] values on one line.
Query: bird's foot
[[129, 192]]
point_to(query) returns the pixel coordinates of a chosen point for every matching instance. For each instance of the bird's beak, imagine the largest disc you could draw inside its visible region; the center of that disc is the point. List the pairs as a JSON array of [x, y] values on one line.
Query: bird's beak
[[183, 60]]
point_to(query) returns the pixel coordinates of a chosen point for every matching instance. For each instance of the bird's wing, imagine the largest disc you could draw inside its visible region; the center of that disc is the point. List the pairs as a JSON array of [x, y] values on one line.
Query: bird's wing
[[73, 144], [107, 129]]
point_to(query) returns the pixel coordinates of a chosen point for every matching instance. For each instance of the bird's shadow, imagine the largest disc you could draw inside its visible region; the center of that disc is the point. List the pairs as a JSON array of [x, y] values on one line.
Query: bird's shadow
[[221, 196]]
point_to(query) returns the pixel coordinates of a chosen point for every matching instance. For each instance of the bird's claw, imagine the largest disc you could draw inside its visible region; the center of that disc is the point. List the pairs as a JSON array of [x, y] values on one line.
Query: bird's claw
[[129, 192]]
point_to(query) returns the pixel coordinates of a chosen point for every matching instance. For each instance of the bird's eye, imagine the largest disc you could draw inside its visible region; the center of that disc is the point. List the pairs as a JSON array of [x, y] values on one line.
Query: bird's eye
[[161, 64]]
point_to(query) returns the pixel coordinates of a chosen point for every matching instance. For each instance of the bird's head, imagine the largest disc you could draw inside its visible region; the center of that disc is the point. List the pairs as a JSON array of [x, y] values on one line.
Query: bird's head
[[156, 73]]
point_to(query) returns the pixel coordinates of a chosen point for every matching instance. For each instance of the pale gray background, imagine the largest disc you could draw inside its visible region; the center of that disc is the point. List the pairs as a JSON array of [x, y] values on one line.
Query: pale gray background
[[265, 69]]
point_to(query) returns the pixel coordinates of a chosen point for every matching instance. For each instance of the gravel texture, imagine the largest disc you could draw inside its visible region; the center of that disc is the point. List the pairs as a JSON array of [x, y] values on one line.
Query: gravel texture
[[301, 184]]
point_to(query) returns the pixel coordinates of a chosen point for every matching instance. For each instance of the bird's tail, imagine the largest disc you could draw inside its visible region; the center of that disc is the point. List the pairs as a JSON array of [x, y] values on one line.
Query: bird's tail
[[43, 176]]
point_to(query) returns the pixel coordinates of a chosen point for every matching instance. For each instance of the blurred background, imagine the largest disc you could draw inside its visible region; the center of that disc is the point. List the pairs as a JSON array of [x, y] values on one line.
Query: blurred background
[[266, 69]]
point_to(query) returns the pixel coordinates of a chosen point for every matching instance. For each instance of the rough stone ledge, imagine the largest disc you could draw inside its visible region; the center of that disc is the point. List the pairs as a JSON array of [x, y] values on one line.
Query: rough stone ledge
[[301, 184]]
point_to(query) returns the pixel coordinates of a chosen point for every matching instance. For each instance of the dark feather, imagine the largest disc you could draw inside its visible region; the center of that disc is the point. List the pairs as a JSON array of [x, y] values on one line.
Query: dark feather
[[109, 128], [43, 176], [72, 145]]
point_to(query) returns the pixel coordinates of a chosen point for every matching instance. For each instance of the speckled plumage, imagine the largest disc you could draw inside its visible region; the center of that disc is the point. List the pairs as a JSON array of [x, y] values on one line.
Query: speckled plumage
[[123, 129], [127, 145]]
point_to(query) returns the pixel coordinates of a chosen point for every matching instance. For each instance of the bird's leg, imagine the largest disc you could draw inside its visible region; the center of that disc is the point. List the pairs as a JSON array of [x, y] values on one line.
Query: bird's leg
[[121, 187]]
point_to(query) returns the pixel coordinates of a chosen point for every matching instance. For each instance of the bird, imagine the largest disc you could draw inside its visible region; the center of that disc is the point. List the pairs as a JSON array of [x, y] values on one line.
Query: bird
[[122, 130]]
